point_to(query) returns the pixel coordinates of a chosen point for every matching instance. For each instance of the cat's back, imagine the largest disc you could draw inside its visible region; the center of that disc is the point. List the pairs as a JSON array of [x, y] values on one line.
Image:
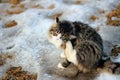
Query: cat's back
[[88, 53], [88, 33]]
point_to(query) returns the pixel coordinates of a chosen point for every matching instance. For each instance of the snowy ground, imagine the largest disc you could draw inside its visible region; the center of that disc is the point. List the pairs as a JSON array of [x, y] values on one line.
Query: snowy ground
[[28, 40]]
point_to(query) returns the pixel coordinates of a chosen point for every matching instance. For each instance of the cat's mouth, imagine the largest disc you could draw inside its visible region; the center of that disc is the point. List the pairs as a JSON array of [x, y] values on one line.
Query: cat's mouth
[[55, 39]]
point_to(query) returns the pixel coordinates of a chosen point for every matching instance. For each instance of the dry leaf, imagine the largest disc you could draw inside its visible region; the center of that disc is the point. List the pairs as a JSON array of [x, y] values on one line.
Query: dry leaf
[[38, 6], [52, 6], [78, 2], [16, 73], [13, 6], [10, 24], [18, 11], [21, 6], [14, 1], [114, 13], [93, 18], [10, 56], [3, 58]]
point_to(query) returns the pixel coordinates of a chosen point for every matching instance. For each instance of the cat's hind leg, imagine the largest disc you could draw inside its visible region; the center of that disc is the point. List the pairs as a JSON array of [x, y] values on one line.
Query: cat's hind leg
[[60, 66], [64, 64]]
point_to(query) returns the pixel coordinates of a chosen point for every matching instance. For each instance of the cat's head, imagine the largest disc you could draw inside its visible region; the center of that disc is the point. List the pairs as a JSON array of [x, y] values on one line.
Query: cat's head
[[61, 32]]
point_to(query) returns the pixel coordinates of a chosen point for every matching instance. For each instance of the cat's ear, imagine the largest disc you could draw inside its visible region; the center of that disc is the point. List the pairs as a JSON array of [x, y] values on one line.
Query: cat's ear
[[72, 37], [57, 20]]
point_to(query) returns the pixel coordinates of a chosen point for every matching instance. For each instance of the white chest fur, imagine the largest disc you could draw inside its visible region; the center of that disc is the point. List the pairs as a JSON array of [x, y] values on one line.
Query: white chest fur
[[70, 53], [56, 40]]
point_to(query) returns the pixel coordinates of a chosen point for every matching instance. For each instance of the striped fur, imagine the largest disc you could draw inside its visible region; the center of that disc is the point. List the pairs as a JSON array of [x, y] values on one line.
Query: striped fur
[[82, 45]]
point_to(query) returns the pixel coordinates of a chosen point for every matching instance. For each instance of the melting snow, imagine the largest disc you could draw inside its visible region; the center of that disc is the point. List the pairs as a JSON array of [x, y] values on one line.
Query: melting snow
[[29, 41]]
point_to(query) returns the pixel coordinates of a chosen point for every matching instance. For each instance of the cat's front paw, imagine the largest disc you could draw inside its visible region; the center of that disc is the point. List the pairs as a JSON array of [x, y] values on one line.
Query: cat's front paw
[[62, 55], [60, 66]]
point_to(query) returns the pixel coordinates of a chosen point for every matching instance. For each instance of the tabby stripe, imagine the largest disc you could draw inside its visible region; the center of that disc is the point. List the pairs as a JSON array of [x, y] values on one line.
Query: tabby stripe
[[93, 49], [82, 56]]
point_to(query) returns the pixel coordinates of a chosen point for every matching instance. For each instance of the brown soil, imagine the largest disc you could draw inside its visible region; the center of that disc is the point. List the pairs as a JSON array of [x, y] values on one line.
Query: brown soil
[[115, 13], [10, 24], [16, 73]]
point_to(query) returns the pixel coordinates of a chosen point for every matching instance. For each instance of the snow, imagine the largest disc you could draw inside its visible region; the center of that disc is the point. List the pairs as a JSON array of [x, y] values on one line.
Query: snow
[[29, 42], [107, 76]]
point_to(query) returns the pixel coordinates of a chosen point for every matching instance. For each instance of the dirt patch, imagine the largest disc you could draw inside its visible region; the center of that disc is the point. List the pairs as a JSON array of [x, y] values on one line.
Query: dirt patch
[[3, 58], [93, 18], [114, 14], [10, 24], [16, 73]]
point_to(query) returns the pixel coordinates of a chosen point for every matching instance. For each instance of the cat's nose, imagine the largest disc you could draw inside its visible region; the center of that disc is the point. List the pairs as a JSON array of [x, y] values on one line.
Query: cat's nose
[[60, 37]]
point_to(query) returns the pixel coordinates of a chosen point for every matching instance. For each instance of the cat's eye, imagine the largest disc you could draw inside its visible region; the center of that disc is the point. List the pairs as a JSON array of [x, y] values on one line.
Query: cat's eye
[[57, 31]]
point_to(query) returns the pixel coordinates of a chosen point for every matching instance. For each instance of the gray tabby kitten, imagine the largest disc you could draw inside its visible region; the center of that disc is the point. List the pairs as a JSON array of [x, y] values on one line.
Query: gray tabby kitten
[[82, 45]]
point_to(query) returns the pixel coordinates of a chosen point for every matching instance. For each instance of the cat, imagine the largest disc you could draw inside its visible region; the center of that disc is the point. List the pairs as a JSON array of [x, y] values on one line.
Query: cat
[[115, 51], [115, 54], [82, 45]]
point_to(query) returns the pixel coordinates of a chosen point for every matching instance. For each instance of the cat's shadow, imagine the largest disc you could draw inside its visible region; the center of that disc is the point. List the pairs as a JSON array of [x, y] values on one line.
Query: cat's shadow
[[69, 73]]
